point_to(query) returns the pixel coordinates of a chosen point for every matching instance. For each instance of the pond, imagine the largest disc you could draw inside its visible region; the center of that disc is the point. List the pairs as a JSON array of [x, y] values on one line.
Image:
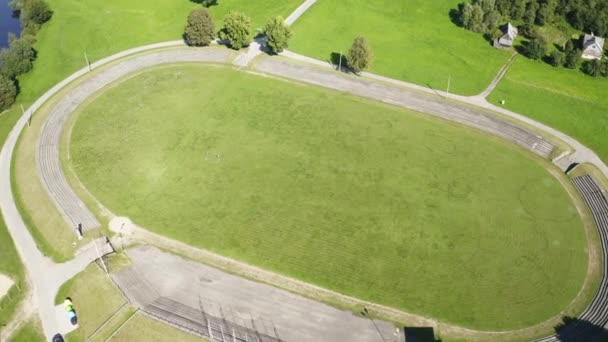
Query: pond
[[8, 23]]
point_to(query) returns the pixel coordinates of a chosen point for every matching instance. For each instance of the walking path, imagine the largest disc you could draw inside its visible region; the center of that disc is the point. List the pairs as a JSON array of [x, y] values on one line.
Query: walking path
[[499, 76], [299, 11]]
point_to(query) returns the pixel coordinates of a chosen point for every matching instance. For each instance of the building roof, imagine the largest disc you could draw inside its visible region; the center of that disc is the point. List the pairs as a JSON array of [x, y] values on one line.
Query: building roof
[[509, 34], [593, 46], [510, 30]]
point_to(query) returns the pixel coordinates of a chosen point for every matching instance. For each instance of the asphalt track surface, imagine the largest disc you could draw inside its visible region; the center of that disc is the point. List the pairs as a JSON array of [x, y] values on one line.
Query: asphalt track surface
[[46, 277]]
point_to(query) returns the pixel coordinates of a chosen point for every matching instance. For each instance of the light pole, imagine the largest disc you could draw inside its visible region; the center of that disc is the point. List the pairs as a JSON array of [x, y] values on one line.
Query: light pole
[[87, 60], [449, 80], [366, 314]]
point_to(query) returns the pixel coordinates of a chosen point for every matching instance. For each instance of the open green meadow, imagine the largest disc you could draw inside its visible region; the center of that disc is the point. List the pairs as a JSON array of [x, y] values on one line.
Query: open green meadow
[[565, 99], [363, 198], [412, 40]]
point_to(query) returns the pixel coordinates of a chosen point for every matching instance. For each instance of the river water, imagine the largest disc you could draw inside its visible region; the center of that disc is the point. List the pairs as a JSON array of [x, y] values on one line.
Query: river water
[[8, 23]]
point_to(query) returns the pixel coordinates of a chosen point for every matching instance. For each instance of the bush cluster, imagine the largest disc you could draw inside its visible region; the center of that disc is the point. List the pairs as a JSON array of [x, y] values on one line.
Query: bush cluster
[[18, 58]]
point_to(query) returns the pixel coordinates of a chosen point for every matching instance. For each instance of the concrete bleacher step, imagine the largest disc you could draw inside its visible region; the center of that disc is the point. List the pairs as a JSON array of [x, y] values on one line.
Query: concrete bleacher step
[[595, 316], [200, 323], [135, 288]]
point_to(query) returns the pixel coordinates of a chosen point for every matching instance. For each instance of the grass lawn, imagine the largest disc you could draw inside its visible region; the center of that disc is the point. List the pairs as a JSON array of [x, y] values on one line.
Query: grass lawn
[[412, 40], [145, 329], [565, 99], [367, 199], [10, 265], [95, 299], [30, 332]]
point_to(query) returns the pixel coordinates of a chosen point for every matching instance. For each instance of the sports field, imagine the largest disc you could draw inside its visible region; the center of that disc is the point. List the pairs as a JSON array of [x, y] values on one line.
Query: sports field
[[412, 40], [568, 100], [363, 198]]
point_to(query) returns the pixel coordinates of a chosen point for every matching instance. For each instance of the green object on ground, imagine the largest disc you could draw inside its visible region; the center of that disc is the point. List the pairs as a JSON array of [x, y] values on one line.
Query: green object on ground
[[565, 99], [412, 40], [96, 297], [384, 204]]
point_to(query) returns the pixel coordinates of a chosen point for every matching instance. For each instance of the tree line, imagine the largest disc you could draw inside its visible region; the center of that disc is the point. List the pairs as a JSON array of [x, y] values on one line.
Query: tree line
[[236, 32], [584, 15], [18, 58]]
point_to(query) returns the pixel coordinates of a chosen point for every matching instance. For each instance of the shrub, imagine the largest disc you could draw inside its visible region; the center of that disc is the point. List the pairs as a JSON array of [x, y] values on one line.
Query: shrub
[[359, 55], [536, 48], [17, 59], [35, 11], [199, 29], [8, 92], [592, 68], [277, 34], [572, 59], [557, 58], [236, 30]]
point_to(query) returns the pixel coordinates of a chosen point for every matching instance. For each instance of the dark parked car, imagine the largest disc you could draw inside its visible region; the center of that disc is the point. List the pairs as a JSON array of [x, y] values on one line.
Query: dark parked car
[[58, 338]]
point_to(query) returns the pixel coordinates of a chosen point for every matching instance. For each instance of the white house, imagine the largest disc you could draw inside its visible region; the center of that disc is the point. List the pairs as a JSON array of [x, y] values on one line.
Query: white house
[[506, 40], [593, 46]]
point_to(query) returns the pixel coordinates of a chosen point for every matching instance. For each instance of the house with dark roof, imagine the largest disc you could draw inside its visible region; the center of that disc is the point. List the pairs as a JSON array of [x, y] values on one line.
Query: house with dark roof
[[509, 33], [593, 46]]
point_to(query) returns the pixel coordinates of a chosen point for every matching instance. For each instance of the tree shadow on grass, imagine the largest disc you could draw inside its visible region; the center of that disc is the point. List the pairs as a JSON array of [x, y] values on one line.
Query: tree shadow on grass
[[454, 15], [339, 60]]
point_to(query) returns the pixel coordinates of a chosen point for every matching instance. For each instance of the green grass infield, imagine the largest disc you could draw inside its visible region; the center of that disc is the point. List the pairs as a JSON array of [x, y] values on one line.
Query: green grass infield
[[367, 199]]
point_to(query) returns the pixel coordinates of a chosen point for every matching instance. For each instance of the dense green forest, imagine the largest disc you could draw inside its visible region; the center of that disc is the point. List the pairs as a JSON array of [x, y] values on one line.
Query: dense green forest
[[584, 15]]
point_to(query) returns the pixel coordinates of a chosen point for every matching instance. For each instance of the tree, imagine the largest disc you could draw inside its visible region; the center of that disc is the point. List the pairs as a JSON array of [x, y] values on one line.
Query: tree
[[604, 67], [518, 8], [530, 14], [359, 55], [546, 12], [491, 20], [476, 23], [236, 30], [536, 48], [504, 7], [592, 68], [572, 59], [277, 34], [35, 11], [557, 58], [8, 92], [17, 59], [569, 45], [199, 29], [528, 30]]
